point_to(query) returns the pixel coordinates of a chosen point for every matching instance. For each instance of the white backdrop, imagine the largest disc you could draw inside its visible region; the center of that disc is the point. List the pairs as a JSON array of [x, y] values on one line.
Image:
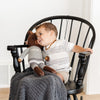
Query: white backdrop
[[16, 16]]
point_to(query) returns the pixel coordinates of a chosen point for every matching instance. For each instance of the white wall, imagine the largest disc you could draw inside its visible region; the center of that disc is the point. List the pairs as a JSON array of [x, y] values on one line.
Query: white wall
[[16, 17], [93, 84]]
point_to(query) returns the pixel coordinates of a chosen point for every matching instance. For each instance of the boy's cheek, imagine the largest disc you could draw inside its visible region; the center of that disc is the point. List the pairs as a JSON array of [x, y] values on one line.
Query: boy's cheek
[[38, 41]]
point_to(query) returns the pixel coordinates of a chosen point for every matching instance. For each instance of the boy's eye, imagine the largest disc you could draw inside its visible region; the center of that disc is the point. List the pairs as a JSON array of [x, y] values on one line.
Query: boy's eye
[[40, 33]]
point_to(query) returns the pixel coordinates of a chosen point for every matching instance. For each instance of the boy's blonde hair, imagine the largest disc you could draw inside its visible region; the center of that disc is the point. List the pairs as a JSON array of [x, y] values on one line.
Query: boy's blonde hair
[[48, 27]]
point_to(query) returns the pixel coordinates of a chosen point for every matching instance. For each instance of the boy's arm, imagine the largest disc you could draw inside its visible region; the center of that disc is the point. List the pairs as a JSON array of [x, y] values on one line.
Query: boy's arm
[[79, 49]]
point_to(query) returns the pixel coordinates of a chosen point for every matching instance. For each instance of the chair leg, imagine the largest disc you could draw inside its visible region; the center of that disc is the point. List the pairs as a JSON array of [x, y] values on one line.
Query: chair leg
[[75, 97], [68, 97]]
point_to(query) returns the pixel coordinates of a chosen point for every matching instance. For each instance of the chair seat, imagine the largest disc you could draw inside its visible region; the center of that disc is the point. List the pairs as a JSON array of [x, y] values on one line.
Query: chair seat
[[73, 88]]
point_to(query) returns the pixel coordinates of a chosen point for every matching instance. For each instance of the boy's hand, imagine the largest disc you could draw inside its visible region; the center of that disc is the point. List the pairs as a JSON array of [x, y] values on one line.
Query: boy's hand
[[49, 69], [89, 50], [39, 71], [19, 60]]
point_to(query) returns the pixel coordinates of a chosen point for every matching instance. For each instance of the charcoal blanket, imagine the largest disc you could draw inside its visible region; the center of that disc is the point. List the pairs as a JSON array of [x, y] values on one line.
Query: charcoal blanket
[[29, 86]]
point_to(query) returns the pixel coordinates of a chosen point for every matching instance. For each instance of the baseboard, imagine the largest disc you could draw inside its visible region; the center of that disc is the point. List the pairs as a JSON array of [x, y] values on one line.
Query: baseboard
[[4, 86]]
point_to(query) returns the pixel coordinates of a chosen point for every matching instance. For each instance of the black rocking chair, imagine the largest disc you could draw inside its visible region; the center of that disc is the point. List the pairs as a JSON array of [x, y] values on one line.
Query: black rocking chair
[[75, 30]]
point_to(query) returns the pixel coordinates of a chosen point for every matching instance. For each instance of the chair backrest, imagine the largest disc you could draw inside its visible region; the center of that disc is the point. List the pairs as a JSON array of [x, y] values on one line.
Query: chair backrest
[[74, 29]]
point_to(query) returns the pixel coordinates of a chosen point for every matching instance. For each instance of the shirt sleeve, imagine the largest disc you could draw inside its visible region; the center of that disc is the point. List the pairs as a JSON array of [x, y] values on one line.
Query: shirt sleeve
[[69, 46]]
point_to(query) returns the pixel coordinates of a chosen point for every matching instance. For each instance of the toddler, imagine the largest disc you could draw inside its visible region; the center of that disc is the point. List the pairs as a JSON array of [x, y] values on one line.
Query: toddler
[[56, 52], [35, 57]]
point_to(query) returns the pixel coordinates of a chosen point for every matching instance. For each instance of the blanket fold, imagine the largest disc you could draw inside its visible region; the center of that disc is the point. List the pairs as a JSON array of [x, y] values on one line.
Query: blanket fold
[[28, 86]]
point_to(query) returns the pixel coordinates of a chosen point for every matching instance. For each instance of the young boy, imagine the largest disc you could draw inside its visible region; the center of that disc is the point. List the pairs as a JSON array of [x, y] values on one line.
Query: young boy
[[56, 51], [34, 53]]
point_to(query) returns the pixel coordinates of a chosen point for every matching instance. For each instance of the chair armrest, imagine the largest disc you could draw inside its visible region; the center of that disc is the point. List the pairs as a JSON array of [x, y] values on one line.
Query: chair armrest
[[12, 47], [83, 63], [84, 54], [15, 55]]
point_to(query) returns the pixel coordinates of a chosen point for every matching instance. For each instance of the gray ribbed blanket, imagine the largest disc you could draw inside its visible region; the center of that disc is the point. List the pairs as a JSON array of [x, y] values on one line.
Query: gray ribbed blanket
[[29, 86]]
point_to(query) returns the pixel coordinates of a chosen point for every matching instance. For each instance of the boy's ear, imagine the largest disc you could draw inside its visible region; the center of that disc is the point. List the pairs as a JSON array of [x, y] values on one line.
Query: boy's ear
[[51, 32]]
